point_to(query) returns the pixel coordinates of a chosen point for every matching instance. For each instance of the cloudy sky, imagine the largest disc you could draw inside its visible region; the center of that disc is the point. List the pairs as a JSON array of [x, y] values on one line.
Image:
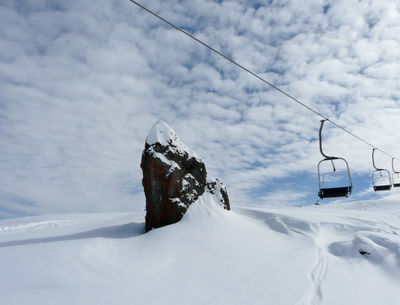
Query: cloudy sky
[[82, 82]]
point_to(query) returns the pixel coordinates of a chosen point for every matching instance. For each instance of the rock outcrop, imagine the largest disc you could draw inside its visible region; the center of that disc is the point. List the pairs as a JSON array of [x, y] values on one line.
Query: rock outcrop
[[173, 176], [217, 188]]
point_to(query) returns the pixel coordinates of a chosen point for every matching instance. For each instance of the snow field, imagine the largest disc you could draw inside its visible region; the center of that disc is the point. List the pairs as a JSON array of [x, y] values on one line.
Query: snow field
[[308, 255]]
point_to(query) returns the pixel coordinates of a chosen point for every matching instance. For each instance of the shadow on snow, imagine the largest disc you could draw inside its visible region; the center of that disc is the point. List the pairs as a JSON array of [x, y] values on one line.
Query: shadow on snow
[[116, 232]]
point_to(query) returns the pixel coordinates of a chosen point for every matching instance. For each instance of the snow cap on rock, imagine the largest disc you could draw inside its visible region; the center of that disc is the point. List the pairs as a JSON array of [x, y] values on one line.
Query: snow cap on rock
[[163, 134]]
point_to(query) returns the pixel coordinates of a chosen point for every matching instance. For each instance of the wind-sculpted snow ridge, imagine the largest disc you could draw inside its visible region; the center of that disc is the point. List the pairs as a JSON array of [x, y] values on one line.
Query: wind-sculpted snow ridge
[[284, 224], [367, 240], [337, 254]]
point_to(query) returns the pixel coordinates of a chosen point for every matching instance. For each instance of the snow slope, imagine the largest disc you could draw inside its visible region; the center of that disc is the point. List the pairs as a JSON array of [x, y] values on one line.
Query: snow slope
[[293, 255]]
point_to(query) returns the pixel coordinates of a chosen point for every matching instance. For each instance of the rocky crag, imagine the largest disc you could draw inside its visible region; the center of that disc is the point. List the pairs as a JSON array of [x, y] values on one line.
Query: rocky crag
[[173, 178], [216, 187]]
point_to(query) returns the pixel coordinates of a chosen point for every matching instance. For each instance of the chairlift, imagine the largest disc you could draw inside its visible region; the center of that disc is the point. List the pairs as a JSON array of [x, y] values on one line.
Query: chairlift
[[380, 173], [396, 181], [332, 192]]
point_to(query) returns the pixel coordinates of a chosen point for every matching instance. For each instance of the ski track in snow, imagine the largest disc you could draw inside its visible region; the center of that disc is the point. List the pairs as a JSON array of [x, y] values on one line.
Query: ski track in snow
[[314, 295], [35, 225], [318, 274]]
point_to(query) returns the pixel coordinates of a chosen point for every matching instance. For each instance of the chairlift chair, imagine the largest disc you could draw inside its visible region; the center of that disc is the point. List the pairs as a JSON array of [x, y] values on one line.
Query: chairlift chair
[[381, 172], [396, 182], [332, 192]]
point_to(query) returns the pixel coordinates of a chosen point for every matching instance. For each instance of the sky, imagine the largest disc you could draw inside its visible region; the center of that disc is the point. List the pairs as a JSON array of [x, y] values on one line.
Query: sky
[[82, 83]]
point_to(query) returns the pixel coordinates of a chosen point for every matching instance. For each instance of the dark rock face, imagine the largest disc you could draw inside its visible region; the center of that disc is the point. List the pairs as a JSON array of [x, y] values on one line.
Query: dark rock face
[[217, 188], [173, 177]]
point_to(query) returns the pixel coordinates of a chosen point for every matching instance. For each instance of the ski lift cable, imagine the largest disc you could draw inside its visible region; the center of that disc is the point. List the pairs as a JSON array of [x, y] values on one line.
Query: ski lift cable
[[260, 78]]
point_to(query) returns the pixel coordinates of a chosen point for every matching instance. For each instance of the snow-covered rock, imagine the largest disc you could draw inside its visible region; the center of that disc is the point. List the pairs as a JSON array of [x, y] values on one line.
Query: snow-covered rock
[[173, 176], [217, 188]]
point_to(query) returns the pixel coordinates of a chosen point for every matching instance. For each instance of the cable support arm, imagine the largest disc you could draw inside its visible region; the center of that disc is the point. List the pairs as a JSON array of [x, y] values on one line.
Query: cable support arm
[[373, 160], [394, 171]]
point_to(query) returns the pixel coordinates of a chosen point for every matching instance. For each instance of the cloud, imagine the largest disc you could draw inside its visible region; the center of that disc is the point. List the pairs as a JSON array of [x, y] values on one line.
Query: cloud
[[82, 83], [278, 198]]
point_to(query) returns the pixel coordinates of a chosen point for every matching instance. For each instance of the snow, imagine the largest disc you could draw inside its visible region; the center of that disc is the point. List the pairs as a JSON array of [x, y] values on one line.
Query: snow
[[160, 133], [287, 255], [163, 134]]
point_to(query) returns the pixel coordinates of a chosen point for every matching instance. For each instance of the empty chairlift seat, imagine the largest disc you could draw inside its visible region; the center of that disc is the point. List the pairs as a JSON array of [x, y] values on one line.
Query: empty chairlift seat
[[380, 177], [395, 176], [336, 191], [385, 187]]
